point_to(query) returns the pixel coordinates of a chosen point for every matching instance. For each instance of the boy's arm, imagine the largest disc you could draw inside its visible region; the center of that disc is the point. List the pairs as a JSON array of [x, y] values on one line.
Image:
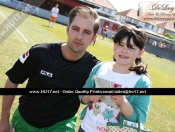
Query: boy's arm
[[90, 82]]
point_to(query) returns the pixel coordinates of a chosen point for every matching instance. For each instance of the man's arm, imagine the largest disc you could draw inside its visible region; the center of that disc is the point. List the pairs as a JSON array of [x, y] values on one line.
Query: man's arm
[[6, 106]]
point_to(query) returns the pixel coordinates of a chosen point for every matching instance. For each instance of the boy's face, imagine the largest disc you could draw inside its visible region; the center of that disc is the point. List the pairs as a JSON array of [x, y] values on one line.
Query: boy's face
[[80, 34], [126, 56]]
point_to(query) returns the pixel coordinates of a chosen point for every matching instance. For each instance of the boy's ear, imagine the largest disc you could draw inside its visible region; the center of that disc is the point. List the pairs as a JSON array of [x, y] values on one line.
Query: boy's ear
[[141, 53]]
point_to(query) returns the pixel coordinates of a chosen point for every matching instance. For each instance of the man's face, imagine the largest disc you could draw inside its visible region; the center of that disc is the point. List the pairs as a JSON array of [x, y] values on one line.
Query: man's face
[[80, 34]]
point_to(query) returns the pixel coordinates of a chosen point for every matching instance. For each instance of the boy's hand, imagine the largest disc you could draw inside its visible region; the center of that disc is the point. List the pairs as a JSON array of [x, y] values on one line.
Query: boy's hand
[[91, 98], [95, 98], [118, 99]]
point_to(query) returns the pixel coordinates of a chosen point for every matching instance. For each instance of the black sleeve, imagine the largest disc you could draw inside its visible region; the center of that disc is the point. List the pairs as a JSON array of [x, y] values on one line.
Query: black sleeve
[[23, 68]]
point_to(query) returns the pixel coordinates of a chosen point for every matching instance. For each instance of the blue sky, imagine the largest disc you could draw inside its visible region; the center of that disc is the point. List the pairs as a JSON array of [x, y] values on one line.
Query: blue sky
[[122, 5]]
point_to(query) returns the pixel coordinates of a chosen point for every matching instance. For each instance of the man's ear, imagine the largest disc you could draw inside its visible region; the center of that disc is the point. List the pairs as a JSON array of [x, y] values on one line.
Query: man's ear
[[94, 37], [67, 30], [141, 53]]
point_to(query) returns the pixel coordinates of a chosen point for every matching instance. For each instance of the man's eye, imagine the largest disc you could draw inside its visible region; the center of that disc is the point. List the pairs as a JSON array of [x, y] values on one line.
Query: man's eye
[[87, 32]]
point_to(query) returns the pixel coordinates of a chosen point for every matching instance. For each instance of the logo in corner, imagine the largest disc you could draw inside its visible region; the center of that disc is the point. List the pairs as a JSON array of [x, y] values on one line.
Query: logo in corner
[[23, 57]]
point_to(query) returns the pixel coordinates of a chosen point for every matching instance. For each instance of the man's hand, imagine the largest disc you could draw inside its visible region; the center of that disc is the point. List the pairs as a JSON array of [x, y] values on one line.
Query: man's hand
[[4, 126]]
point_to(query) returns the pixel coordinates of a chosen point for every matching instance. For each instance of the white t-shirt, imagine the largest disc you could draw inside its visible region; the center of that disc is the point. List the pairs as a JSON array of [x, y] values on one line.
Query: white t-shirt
[[99, 113], [123, 80], [54, 12]]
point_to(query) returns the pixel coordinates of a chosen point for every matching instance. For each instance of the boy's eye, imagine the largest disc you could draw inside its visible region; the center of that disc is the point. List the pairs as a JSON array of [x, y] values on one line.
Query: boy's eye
[[132, 47], [120, 44]]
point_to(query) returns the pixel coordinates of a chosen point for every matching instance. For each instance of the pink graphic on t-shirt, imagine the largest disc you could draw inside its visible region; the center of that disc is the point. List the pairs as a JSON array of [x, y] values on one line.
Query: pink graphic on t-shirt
[[118, 117], [115, 85], [90, 106]]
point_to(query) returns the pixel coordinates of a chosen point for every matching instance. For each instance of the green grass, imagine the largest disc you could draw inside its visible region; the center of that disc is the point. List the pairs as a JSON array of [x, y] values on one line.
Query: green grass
[[162, 109]]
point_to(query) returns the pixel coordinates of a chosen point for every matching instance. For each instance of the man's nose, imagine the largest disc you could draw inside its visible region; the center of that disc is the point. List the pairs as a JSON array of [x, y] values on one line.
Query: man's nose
[[79, 35]]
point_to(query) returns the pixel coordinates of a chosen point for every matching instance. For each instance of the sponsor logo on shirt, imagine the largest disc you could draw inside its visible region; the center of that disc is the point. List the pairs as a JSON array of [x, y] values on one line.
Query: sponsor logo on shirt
[[23, 57], [46, 73]]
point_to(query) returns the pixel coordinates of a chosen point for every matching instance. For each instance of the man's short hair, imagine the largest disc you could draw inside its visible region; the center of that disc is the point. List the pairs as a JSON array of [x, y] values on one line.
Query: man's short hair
[[85, 12]]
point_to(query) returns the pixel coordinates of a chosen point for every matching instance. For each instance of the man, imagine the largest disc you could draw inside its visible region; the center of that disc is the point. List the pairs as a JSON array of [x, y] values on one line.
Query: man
[[54, 14], [105, 30], [64, 65]]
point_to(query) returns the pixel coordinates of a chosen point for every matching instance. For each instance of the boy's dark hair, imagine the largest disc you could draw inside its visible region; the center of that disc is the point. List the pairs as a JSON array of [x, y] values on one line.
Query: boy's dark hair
[[85, 12], [139, 39]]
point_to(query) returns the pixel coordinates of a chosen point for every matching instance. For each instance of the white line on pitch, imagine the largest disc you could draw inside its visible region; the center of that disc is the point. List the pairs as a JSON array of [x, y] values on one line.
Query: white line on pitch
[[16, 29]]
